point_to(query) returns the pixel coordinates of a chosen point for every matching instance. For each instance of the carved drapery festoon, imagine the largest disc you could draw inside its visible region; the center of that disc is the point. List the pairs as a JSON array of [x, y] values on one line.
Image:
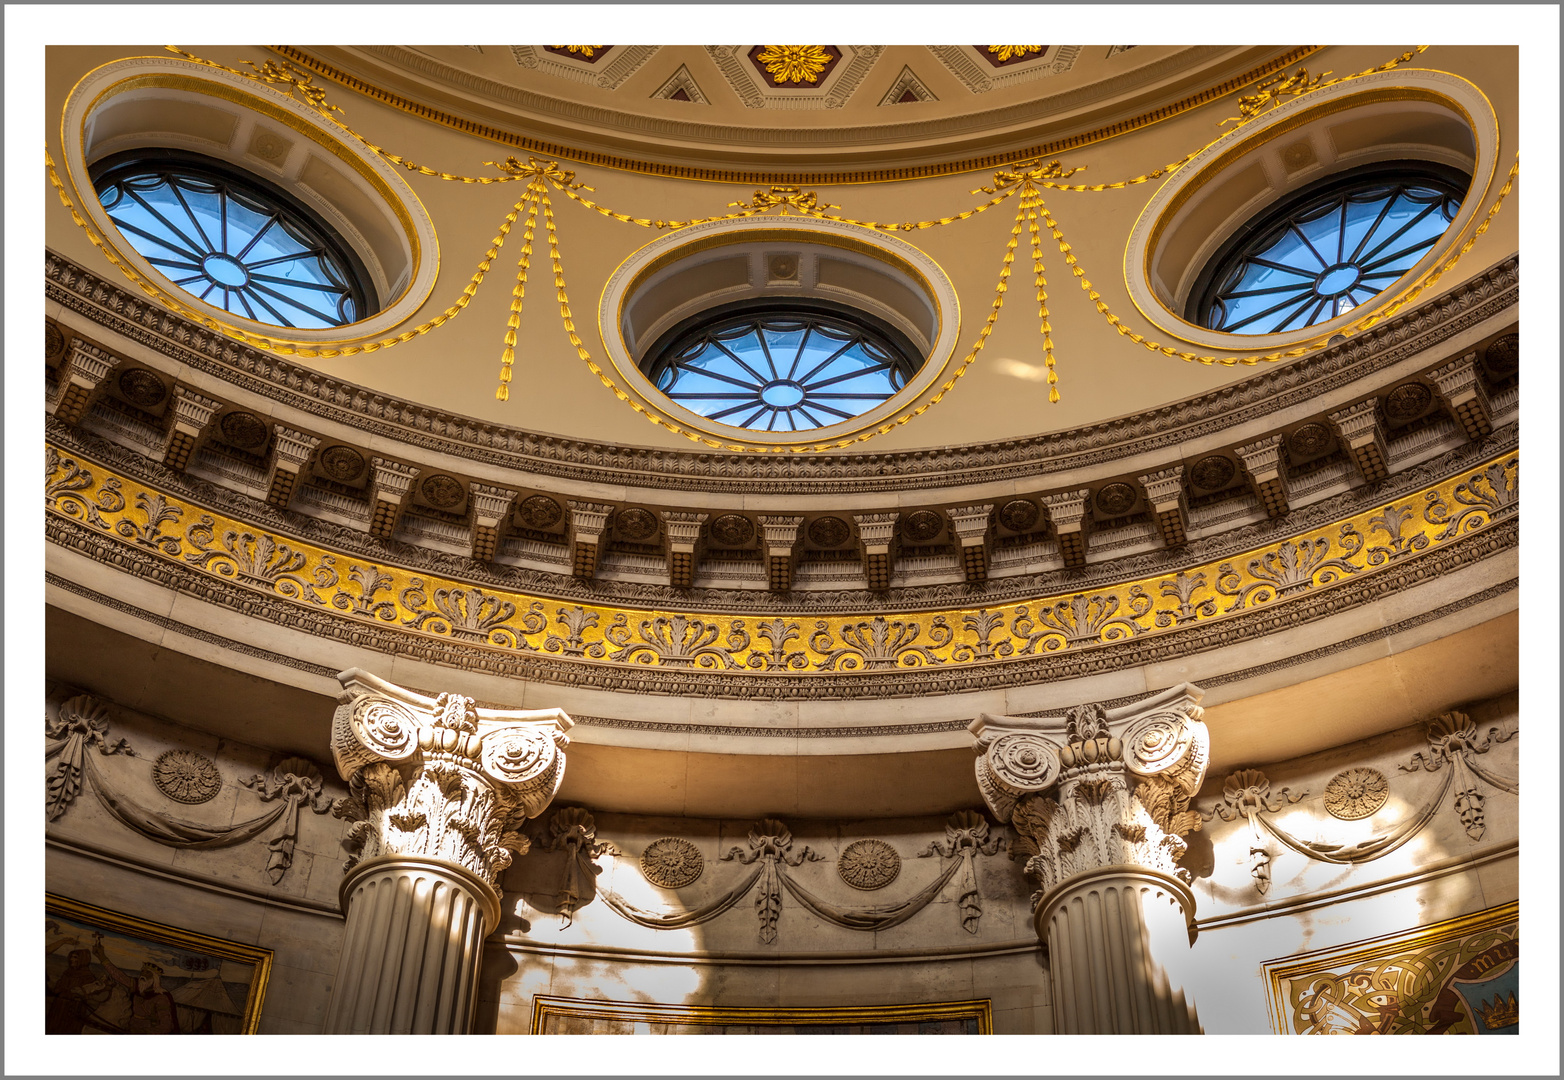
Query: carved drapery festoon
[[772, 854], [1453, 740], [1247, 794], [83, 722], [1100, 802], [439, 789]]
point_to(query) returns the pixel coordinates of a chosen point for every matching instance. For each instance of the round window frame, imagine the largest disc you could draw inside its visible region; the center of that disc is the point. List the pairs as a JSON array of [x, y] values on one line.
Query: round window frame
[[361, 285], [1289, 206], [911, 266], [159, 79], [1238, 150], [894, 341]]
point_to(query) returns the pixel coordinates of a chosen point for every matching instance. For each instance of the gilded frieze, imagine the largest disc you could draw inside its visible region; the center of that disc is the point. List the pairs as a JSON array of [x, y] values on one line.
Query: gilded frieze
[[1384, 539]]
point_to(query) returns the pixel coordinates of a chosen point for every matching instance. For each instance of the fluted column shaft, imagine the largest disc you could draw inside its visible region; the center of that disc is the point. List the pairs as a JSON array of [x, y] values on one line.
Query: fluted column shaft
[[1110, 934], [410, 956]]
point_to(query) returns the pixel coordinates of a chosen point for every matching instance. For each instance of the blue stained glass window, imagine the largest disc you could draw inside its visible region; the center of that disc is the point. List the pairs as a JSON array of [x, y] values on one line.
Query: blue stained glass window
[[1328, 250], [782, 370], [233, 241]]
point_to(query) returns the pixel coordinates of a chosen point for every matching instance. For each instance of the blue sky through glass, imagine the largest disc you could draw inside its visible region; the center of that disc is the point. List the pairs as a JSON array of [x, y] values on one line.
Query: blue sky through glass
[[782, 373], [1330, 257], [233, 249]]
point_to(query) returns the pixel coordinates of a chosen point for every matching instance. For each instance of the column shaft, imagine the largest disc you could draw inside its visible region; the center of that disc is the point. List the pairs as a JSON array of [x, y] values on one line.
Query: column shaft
[[410, 956], [1112, 935]]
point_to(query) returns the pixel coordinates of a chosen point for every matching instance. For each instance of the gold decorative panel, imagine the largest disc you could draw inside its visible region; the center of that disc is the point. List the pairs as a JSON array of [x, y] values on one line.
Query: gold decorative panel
[[574, 1016], [1457, 977], [1384, 540]]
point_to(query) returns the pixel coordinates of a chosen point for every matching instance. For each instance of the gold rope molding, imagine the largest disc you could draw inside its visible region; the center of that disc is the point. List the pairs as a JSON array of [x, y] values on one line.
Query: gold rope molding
[[742, 176]]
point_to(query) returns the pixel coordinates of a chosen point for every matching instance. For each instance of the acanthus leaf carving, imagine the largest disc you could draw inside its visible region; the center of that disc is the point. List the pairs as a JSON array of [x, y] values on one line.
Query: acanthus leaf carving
[[157, 510], [1482, 497], [257, 559], [65, 492], [435, 778], [1116, 793]]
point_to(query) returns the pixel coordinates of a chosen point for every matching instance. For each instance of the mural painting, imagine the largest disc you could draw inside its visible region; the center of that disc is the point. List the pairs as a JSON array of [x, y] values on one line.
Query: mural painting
[[1457, 977], [110, 974]]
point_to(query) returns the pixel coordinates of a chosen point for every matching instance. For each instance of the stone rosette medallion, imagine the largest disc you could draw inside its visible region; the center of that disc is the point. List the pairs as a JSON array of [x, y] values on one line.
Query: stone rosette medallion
[[540, 512], [1019, 515], [186, 776], [868, 864], [1356, 793], [672, 862]]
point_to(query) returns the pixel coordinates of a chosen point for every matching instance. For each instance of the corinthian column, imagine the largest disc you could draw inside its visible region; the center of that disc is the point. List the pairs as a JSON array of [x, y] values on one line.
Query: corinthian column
[[439, 790], [1099, 800]]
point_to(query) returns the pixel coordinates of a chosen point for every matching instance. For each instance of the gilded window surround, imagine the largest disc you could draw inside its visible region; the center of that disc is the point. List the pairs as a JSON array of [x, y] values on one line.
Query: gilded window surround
[[1372, 553], [1197, 425]]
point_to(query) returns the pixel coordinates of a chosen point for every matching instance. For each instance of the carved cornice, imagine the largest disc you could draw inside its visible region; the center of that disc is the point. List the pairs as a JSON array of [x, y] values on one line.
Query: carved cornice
[[121, 521], [560, 586], [1167, 428]]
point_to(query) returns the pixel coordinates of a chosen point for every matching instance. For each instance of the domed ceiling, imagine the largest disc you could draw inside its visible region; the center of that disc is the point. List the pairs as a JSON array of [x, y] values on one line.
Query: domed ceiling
[[825, 108]]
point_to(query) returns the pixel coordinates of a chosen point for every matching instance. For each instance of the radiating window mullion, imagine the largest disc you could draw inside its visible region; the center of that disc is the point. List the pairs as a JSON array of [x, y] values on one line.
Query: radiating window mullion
[[316, 285], [765, 350], [1293, 225], [191, 245], [1263, 314], [274, 219], [1378, 220], [1341, 230], [125, 226], [1395, 235], [751, 387], [1279, 266], [281, 319], [813, 386], [1402, 253], [1293, 287], [289, 300], [760, 380], [804, 379], [180, 195]]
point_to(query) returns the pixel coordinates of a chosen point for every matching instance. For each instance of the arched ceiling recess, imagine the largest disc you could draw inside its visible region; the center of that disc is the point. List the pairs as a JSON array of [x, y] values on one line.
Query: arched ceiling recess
[[745, 114]]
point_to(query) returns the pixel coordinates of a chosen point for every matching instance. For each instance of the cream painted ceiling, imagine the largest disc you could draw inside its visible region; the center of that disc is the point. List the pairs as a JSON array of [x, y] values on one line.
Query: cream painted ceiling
[[723, 105]]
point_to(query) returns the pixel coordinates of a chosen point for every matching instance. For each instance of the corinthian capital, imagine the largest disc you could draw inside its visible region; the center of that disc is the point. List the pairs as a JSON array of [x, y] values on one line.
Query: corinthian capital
[[440, 778], [1097, 787]]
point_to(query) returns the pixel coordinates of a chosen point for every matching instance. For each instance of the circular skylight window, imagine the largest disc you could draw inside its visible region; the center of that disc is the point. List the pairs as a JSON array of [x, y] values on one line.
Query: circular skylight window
[[233, 240], [784, 369], [1334, 246]]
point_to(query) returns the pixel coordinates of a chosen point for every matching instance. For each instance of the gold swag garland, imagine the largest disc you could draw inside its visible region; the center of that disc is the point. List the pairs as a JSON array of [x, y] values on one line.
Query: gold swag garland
[[1024, 179]]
